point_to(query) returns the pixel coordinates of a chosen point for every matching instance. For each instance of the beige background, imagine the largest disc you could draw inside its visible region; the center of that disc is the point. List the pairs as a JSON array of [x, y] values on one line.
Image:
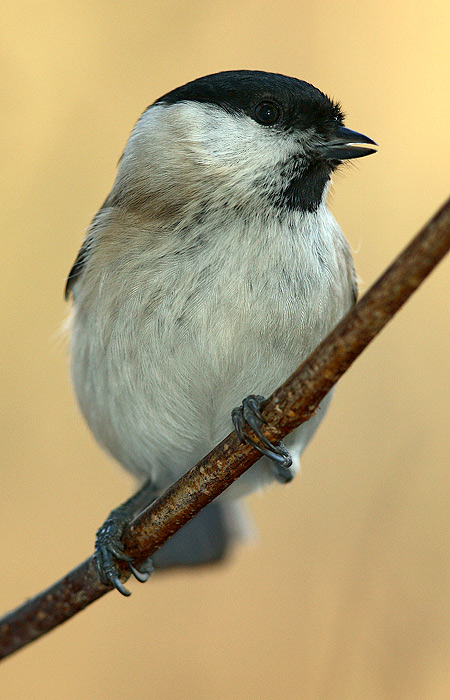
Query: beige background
[[346, 593]]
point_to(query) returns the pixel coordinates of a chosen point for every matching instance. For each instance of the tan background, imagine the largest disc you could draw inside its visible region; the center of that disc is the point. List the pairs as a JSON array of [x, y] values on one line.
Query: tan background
[[346, 593]]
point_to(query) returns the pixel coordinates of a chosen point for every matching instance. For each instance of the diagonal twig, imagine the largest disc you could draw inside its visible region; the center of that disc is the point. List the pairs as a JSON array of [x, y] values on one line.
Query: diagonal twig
[[291, 404]]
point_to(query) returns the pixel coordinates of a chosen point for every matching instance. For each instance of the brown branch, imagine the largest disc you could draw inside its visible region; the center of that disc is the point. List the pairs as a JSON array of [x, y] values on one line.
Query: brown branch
[[291, 404]]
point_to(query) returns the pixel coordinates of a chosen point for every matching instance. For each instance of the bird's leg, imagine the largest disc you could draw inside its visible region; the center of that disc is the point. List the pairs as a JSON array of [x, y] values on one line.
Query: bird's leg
[[108, 544], [249, 414]]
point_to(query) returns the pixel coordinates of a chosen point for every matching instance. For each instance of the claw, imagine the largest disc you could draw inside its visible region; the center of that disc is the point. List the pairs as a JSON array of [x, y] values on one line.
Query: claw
[[118, 552], [108, 549], [118, 585], [249, 413], [254, 402], [141, 576]]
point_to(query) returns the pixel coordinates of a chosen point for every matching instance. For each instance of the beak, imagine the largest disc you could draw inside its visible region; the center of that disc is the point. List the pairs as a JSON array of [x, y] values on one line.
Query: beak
[[347, 144]]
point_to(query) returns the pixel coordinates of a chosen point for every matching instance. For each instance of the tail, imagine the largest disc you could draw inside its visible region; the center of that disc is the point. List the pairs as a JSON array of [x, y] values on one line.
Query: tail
[[207, 538]]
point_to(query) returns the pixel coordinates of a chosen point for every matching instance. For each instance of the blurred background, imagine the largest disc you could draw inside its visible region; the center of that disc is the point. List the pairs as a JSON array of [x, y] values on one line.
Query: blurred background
[[345, 592]]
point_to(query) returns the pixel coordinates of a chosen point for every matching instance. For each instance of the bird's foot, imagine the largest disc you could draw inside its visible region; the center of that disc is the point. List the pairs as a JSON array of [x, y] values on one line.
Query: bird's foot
[[109, 549], [249, 414]]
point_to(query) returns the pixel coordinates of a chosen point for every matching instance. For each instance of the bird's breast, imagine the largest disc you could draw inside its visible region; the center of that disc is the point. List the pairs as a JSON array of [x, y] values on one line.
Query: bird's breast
[[165, 345]]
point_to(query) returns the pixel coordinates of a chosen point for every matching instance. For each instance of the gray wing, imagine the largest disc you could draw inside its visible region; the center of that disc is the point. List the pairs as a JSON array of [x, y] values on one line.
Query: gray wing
[[85, 250], [77, 267]]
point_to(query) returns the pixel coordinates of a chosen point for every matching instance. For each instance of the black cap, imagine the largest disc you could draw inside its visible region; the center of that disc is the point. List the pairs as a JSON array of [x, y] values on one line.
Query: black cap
[[301, 104]]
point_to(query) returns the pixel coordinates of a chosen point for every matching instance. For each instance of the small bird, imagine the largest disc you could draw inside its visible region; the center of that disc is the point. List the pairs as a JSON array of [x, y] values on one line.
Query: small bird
[[212, 270]]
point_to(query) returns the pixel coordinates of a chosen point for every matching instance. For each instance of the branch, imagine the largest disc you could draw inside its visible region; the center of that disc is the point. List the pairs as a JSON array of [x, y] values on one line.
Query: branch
[[289, 406]]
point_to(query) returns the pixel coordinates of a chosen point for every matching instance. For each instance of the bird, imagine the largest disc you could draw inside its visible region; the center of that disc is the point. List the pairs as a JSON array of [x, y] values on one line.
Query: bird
[[211, 271]]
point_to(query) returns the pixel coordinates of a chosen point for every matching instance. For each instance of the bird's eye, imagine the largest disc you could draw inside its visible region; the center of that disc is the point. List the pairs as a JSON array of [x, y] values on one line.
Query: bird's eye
[[266, 113]]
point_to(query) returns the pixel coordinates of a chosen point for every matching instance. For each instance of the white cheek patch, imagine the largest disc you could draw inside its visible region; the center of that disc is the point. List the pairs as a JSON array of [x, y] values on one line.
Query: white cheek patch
[[174, 150], [233, 139]]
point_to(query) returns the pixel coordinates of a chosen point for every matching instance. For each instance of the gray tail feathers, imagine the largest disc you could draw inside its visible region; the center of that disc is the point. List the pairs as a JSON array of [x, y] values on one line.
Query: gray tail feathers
[[205, 539]]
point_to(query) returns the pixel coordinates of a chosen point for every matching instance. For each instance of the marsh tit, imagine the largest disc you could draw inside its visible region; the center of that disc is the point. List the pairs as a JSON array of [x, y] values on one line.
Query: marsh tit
[[212, 270]]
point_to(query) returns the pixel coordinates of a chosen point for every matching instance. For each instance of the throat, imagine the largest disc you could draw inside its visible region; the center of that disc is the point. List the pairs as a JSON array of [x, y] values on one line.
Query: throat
[[305, 189]]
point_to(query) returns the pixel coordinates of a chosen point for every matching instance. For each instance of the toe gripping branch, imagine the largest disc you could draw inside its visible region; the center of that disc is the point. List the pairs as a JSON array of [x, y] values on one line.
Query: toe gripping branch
[[108, 544], [249, 414]]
